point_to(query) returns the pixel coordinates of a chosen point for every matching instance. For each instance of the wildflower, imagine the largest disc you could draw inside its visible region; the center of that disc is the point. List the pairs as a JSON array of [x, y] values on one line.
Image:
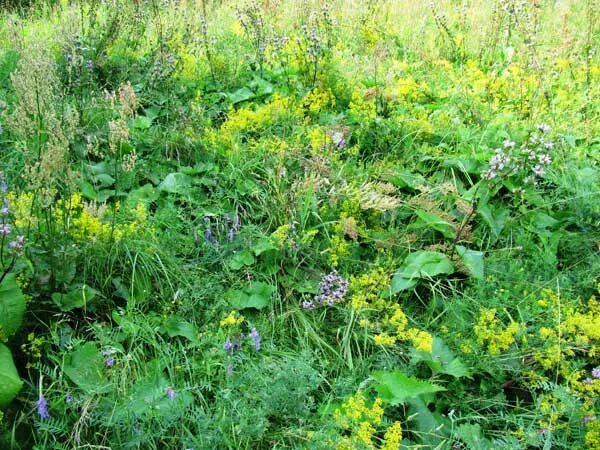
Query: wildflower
[[588, 419], [332, 289], [538, 170], [229, 370], [307, 304], [68, 397], [4, 209], [17, 245], [4, 229], [544, 159], [508, 143], [338, 139], [110, 361], [42, 407], [543, 128], [170, 393], [256, 338], [596, 373], [229, 346]]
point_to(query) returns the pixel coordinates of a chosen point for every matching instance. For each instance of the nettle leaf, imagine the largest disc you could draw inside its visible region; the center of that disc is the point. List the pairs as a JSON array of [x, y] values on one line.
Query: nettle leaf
[[85, 367], [10, 382], [473, 261], [397, 387], [442, 360], [78, 298], [428, 220], [420, 265], [12, 305]]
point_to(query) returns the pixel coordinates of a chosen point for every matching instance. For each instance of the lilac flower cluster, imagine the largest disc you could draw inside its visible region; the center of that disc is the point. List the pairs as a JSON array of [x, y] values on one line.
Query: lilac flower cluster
[[42, 407], [528, 162], [232, 346], [232, 227], [332, 290], [109, 360], [16, 245]]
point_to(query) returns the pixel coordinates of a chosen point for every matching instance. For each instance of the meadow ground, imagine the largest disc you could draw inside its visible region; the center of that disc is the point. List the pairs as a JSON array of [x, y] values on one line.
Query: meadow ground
[[299, 224]]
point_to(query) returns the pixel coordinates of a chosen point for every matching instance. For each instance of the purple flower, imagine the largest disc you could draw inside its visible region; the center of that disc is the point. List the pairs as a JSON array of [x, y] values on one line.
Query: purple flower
[[538, 170], [110, 362], [230, 235], [229, 370], [256, 338], [68, 398], [42, 407], [229, 346], [307, 304], [332, 290], [4, 229], [170, 393], [3, 184], [596, 373]]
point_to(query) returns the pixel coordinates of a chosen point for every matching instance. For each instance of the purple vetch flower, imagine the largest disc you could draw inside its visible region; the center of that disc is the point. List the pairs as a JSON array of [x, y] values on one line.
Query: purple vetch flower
[[4, 209], [256, 338], [68, 397], [229, 370], [3, 183], [230, 235], [42, 407], [596, 373], [307, 304], [170, 393], [229, 346]]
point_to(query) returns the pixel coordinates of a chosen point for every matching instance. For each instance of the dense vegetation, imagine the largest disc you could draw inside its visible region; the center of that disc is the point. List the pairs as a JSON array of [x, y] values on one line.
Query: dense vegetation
[[300, 224]]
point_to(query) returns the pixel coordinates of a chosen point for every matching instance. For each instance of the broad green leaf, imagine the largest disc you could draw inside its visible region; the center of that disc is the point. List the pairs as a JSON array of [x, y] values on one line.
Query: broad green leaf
[[141, 122], [78, 298], [12, 306], [177, 326], [241, 259], [417, 265], [85, 367], [495, 217], [473, 261], [396, 387], [262, 246], [10, 382], [426, 264], [175, 183], [428, 220], [432, 426], [403, 178], [88, 190], [257, 295], [399, 284], [471, 435], [241, 95]]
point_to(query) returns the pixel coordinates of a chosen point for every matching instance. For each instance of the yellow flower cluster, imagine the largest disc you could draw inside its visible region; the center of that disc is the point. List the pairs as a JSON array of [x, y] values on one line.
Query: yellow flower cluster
[[592, 435], [491, 333], [362, 109], [278, 110], [233, 319], [363, 421], [318, 99], [572, 327], [398, 322], [81, 220], [366, 289]]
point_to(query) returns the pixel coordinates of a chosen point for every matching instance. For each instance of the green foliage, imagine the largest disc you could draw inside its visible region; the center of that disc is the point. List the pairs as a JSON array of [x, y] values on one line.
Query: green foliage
[[246, 225]]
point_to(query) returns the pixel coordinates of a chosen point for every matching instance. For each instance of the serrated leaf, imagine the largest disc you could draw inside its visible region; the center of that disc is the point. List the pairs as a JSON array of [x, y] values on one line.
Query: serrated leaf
[[396, 387], [12, 305], [10, 382]]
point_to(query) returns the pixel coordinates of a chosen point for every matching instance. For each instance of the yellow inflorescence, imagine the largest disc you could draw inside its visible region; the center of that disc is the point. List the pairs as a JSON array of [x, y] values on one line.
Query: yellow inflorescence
[[491, 334], [233, 319]]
